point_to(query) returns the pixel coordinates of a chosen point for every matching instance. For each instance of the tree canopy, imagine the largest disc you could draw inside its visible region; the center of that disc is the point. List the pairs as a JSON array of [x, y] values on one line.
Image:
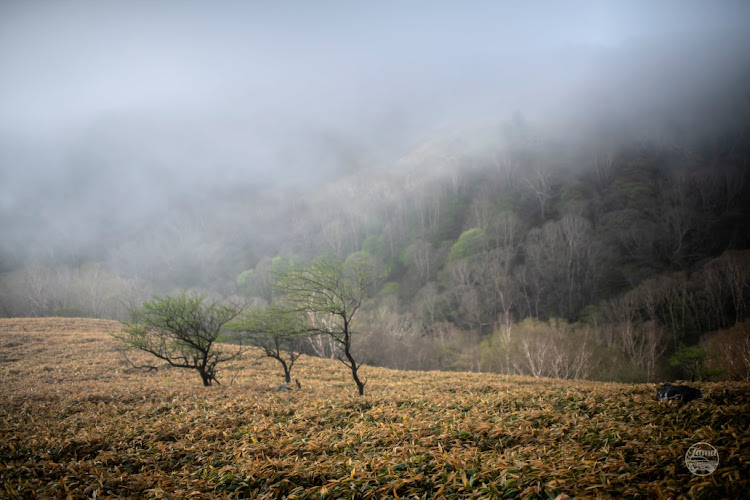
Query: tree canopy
[[277, 330], [182, 330], [336, 289]]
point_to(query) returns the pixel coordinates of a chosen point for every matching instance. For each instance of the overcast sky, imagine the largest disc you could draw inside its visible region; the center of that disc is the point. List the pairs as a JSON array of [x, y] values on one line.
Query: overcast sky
[[64, 63], [141, 90]]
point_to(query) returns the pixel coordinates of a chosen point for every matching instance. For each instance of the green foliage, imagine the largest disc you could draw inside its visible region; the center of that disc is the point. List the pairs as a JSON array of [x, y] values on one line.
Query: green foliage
[[278, 264], [375, 245], [453, 210], [574, 196], [278, 323], [417, 251], [388, 295], [389, 288], [183, 331], [510, 200], [471, 242], [278, 330], [329, 285], [691, 362], [335, 289], [647, 209], [245, 278], [359, 258]]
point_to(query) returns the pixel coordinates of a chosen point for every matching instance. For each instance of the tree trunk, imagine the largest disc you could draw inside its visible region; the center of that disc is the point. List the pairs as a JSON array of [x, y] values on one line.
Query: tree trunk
[[206, 377], [353, 366], [360, 384]]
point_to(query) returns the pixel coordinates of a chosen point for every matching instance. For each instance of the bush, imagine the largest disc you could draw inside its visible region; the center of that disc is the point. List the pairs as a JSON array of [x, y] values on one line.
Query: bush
[[690, 361], [470, 243]]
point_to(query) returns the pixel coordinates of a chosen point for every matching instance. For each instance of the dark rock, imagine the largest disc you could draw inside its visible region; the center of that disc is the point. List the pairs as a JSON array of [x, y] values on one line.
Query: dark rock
[[682, 393]]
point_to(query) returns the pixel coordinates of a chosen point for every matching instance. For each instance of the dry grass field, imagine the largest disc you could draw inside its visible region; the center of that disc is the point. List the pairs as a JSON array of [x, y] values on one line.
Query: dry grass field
[[77, 423]]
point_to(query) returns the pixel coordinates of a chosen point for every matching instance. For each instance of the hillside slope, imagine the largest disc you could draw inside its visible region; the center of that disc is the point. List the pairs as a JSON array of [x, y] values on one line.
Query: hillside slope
[[76, 421]]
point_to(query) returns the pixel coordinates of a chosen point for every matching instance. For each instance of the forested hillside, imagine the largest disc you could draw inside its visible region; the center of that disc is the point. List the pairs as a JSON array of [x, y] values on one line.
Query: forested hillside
[[542, 258], [598, 231], [522, 255]]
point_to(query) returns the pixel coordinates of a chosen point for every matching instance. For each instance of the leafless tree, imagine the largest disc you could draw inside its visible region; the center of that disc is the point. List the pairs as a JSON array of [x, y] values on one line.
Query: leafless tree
[[427, 304], [506, 231], [394, 340], [539, 181], [727, 280], [481, 208], [642, 342], [564, 255], [604, 168], [550, 349], [420, 254]]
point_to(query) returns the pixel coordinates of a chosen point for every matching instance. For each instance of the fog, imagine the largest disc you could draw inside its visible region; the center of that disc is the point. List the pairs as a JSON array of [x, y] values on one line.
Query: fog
[[114, 114]]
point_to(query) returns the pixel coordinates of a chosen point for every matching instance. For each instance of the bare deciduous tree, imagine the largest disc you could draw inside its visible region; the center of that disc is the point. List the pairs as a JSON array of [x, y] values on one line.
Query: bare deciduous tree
[[726, 281], [563, 258], [547, 349], [540, 181], [641, 341]]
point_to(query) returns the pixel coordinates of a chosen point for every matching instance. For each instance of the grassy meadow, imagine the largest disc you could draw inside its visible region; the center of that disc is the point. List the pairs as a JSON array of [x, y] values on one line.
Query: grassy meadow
[[76, 422]]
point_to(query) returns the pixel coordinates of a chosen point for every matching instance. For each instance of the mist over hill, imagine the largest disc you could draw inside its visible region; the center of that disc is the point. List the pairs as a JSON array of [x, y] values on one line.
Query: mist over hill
[[458, 147]]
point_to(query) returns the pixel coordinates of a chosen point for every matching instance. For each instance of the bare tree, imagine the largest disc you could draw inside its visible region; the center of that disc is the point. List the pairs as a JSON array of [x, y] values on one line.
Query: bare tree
[[463, 275], [551, 349], [393, 339], [563, 258], [506, 166], [540, 182], [727, 281], [427, 304], [729, 351], [324, 346], [481, 208], [682, 227], [419, 254], [641, 341], [506, 231], [603, 168]]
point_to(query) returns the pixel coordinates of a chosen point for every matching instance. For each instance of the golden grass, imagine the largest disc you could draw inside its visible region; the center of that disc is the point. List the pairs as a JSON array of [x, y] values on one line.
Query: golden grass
[[77, 423]]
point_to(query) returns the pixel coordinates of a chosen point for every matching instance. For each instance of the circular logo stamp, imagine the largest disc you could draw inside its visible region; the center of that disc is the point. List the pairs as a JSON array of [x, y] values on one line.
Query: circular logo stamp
[[702, 459]]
